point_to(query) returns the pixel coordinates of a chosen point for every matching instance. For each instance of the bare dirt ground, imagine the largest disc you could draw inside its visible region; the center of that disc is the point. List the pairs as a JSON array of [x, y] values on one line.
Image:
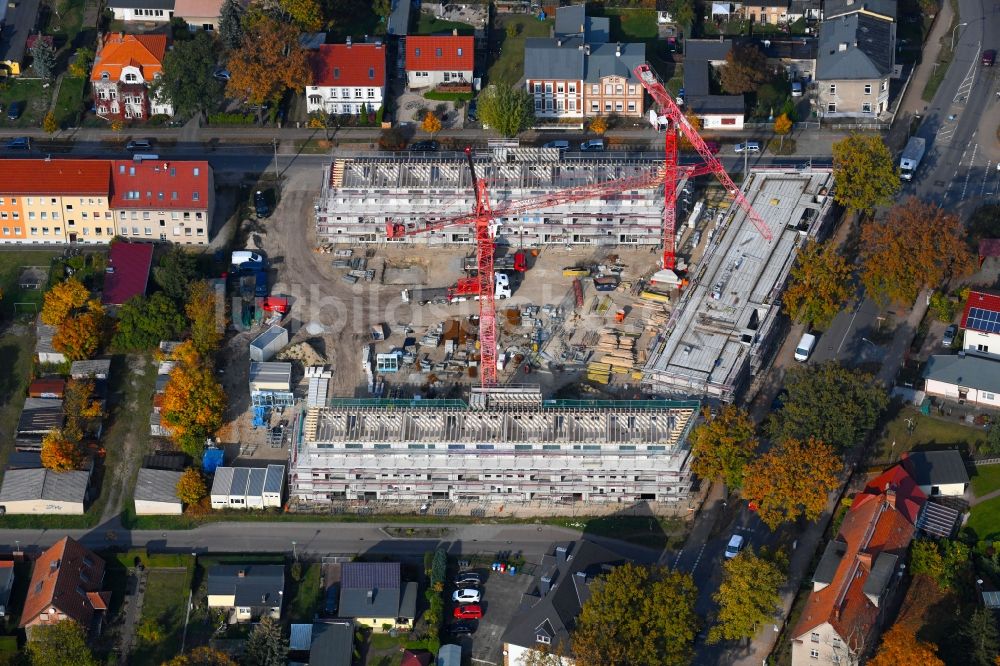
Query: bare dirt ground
[[130, 458]]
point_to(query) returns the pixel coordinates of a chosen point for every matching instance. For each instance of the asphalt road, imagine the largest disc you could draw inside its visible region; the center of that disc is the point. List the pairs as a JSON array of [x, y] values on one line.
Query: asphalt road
[[315, 539]]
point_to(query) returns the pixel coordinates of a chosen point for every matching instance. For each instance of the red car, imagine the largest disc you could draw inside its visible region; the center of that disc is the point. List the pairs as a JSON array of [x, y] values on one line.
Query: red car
[[468, 612], [713, 146]]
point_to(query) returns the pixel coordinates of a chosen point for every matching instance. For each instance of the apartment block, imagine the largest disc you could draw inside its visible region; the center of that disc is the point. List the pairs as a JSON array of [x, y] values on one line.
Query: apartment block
[[46, 201]]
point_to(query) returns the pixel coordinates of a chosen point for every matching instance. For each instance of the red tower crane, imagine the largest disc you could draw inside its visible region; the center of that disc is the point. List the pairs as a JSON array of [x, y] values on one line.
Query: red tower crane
[[676, 122]]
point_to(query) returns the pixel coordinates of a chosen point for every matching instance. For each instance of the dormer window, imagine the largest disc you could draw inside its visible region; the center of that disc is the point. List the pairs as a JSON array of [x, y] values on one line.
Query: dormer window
[[130, 78], [336, 72], [416, 52], [543, 639], [437, 52], [460, 52], [371, 72], [105, 76]]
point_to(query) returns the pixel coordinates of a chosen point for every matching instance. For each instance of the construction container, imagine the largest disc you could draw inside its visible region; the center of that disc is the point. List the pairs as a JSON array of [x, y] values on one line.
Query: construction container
[[267, 344]]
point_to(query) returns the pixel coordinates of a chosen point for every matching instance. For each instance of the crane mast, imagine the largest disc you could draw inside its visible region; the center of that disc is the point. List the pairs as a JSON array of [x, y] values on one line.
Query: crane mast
[[484, 261]]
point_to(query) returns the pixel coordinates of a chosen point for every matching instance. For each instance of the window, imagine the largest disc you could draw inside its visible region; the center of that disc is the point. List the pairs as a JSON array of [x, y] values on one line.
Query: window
[[631, 90], [538, 87], [560, 87], [814, 654], [595, 89], [437, 52], [814, 637], [866, 107], [868, 89], [989, 396], [571, 105], [542, 638], [983, 348], [831, 107], [538, 105], [594, 107], [572, 88], [196, 196], [608, 88], [416, 52], [618, 107], [31, 215], [33, 231], [833, 88], [885, 84], [548, 88], [45, 215], [631, 107], [607, 107], [131, 78], [371, 93], [619, 89], [357, 93], [460, 52]]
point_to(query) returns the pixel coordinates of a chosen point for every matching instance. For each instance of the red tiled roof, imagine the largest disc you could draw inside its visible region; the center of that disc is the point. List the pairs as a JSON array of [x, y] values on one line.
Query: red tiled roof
[[348, 65], [873, 525], [437, 54], [160, 184], [143, 51], [6, 564], [907, 497], [983, 301], [55, 177], [130, 263], [62, 578], [99, 600]]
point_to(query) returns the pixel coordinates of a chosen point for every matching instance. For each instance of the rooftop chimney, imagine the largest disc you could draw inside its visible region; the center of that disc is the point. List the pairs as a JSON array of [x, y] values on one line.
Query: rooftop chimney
[[582, 29], [618, 50], [545, 584], [866, 560], [241, 573], [348, 42], [454, 32], [561, 554]]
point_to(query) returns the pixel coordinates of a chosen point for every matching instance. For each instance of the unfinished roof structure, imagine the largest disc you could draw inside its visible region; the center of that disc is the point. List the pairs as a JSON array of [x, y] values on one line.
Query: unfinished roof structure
[[721, 331], [363, 192], [506, 444]]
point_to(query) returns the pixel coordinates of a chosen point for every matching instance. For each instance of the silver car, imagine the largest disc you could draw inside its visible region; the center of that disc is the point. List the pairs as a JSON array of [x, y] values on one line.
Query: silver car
[[466, 596], [949, 336]]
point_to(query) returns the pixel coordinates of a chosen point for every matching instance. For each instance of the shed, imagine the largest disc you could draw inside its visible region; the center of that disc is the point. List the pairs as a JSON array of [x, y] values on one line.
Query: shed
[[96, 369], [43, 345], [173, 461], [267, 344], [24, 460], [42, 491], [6, 584], [156, 493], [300, 638], [39, 417], [938, 472], [450, 655], [47, 388], [127, 272], [270, 376], [332, 643]]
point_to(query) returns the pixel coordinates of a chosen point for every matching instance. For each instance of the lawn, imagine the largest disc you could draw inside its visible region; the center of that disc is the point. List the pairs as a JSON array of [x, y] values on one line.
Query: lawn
[[165, 605], [929, 433], [632, 25], [984, 520], [649, 531], [32, 94], [69, 103], [509, 67], [431, 25], [986, 479], [305, 596], [11, 264]]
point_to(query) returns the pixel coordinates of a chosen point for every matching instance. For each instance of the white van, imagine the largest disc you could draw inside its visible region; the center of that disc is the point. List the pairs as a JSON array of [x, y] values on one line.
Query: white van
[[502, 286], [805, 347], [243, 256], [735, 546]]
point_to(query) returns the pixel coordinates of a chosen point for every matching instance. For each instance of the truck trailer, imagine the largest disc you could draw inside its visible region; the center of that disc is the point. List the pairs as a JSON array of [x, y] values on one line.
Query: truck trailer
[[913, 153]]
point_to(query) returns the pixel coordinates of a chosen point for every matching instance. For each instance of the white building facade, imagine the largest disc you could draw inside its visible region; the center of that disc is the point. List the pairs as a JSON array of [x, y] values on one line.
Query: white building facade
[[346, 79]]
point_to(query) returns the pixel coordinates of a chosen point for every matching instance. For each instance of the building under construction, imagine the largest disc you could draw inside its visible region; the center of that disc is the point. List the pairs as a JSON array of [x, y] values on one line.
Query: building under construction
[[725, 327], [507, 444], [363, 193]]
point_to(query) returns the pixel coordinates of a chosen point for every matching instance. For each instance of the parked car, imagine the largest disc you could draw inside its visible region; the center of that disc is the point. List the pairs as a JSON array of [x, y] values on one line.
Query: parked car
[[594, 145], [949, 336], [222, 74], [426, 146], [473, 111], [468, 579], [139, 145], [796, 89], [20, 143], [15, 110], [260, 205], [561, 145], [332, 599], [989, 57], [462, 629], [748, 147], [735, 546], [469, 612], [466, 596]]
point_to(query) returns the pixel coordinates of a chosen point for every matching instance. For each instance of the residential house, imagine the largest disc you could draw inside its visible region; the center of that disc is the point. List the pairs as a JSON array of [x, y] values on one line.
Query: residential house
[[858, 577], [125, 67], [345, 78], [331, 643], [6, 584], [968, 377], [163, 200], [55, 201], [248, 487], [247, 590], [810, 10], [156, 493], [44, 492], [881, 9], [127, 272], [548, 611], [142, 11], [937, 473], [854, 63], [718, 112], [796, 56], [18, 20], [768, 13], [578, 72], [432, 61], [980, 324], [199, 14], [374, 595], [66, 584]]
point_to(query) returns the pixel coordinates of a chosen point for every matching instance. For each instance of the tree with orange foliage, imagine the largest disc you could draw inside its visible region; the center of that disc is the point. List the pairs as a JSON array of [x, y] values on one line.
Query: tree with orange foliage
[[782, 126], [203, 311], [599, 125], [792, 479], [916, 246], [431, 123], [79, 405], [62, 299], [900, 646], [191, 488], [201, 656], [820, 284], [268, 62], [60, 453], [193, 401], [78, 337]]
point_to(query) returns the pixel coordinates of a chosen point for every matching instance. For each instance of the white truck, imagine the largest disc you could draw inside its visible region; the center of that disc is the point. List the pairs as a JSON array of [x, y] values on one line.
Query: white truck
[[910, 159]]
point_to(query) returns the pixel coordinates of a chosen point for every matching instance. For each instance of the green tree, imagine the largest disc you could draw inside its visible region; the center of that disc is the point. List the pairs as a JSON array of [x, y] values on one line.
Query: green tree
[[820, 285], [61, 644], [723, 445], [979, 639], [43, 58], [506, 109], [748, 596], [681, 11], [637, 615], [201, 656], [266, 646], [992, 444], [382, 8], [744, 70], [80, 67], [202, 311], [187, 79], [231, 23], [191, 487], [143, 322], [865, 172], [177, 270], [945, 561], [829, 402]]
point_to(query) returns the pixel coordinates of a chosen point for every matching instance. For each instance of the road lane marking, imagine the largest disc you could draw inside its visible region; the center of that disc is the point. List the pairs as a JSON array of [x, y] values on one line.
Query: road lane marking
[[986, 173], [968, 171], [850, 324]]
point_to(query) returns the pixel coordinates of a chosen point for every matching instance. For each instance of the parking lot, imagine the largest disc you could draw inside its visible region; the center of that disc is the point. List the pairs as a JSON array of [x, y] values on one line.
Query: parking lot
[[501, 598]]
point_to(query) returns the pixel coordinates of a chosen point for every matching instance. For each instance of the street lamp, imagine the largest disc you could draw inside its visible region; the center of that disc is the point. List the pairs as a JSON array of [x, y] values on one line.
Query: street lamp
[[295, 557], [953, 31]]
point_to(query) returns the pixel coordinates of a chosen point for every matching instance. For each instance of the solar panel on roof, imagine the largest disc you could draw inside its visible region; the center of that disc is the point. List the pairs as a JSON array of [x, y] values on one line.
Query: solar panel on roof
[[980, 319]]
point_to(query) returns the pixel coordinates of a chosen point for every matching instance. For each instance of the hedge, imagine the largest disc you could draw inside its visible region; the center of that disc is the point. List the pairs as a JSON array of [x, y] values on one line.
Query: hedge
[[447, 97], [231, 119]]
